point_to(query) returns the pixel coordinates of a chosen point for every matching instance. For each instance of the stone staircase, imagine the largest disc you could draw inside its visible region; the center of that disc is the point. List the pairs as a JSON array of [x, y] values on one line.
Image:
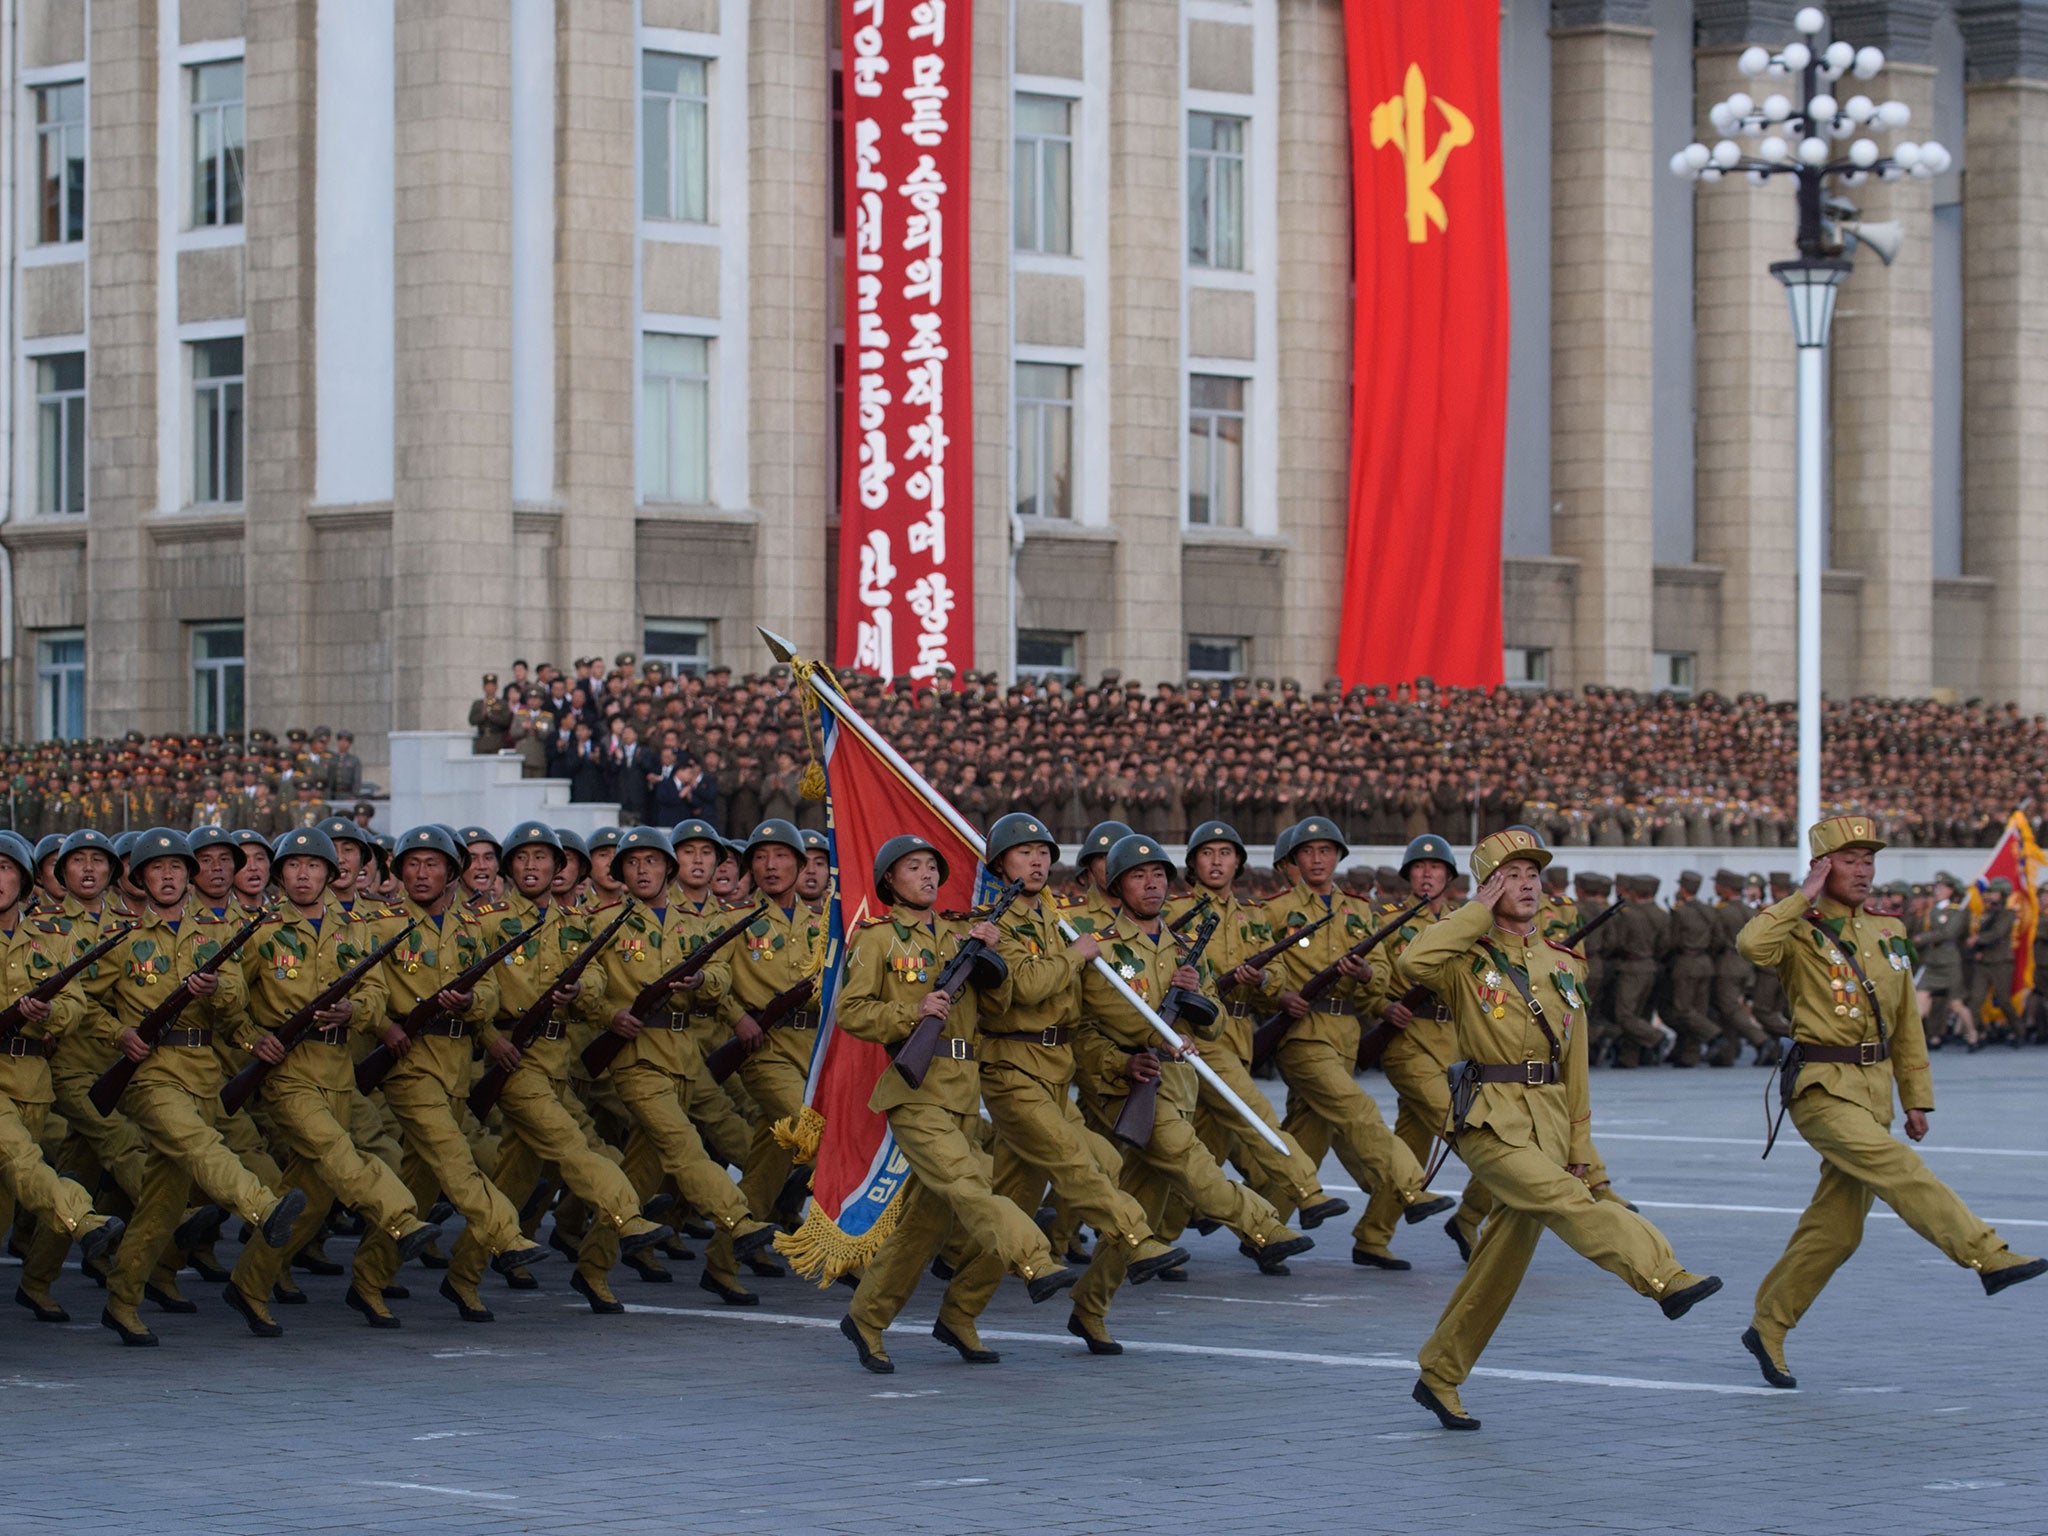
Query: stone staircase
[[435, 777]]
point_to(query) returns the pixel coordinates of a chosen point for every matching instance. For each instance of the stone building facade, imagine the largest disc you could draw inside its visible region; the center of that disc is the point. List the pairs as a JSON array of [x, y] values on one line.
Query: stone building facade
[[356, 347]]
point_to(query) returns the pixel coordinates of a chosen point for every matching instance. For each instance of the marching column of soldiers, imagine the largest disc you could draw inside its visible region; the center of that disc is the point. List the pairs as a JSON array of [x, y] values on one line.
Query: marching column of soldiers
[[327, 1034]]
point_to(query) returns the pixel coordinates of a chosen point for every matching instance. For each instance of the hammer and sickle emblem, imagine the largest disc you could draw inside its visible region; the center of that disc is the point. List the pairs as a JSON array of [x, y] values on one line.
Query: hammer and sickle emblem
[[1400, 121]]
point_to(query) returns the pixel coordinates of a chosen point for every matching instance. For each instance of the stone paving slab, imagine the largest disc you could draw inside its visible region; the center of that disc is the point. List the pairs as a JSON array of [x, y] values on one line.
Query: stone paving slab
[[1243, 1404]]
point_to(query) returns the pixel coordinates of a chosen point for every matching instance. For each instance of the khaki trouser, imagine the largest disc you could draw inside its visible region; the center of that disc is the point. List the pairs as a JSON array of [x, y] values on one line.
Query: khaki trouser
[[374, 1131], [325, 1163], [94, 1145], [1692, 989], [185, 1148], [654, 1100], [1425, 1109], [774, 1079], [1326, 1109], [57, 1202], [1533, 1192], [426, 1115], [1289, 1182], [1174, 1163], [1860, 1162], [951, 1180]]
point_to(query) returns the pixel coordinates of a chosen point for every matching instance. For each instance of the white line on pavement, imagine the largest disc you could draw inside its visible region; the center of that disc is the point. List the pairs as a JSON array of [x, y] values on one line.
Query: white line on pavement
[[1224, 1352], [1244, 1301], [456, 1493], [1798, 1210], [1757, 1142]]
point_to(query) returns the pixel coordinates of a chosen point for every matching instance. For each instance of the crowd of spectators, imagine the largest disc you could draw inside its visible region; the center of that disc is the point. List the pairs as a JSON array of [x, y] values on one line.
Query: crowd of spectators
[[1608, 767]]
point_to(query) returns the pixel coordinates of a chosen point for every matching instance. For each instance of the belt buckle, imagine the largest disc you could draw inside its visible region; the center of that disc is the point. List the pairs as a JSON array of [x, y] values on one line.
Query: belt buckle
[[1049, 1036], [1866, 1053], [957, 1049], [1533, 1073], [17, 1046]]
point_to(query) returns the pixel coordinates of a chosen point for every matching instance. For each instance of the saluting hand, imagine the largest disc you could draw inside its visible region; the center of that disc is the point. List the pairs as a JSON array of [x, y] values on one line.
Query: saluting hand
[[1489, 893], [1816, 879]]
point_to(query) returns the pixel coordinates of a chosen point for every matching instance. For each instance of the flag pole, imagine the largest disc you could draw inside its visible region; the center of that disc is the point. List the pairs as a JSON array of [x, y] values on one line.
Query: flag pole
[[853, 720]]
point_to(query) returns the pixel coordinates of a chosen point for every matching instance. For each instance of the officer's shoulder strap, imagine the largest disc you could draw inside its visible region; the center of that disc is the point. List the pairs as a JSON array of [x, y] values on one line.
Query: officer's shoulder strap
[[1564, 949]]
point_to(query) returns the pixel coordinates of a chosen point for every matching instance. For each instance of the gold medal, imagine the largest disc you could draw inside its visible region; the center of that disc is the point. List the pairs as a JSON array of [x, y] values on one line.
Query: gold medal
[[1500, 1013], [1841, 1008], [149, 979], [292, 974]]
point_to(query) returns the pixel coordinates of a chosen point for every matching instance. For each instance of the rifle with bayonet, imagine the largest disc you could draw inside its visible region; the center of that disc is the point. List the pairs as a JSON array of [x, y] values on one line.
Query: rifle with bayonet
[[654, 997], [373, 1068], [46, 990], [973, 963], [113, 1082], [237, 1090], [1273, 1029], [1141, 1105], [526, 1029]]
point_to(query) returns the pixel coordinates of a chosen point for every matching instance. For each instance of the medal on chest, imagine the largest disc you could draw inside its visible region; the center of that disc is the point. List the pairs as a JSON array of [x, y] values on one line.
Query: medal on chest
[[1842, 987], [1493, 998]]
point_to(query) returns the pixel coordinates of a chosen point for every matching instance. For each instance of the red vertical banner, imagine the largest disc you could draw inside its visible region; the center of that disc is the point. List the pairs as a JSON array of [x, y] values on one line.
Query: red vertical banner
[[906, 576], [1429, 385]]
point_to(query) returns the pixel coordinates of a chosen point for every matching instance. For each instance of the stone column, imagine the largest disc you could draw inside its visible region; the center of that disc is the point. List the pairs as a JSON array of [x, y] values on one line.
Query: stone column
[[1601, 424], [1313, 370], [790, 186], [451, 614], [2005, 338], [1147, 132], [1746, 372], [1882, 405]]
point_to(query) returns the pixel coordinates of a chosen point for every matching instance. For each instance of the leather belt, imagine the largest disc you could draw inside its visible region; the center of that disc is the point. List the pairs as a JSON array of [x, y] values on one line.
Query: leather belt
[[1531, 1074], [25, 1045], [1238, 1010], [338, 1035], [1868, 1054], [670, 1021], [1059, 1034], [554, 1029], [1338, 1010], [954, 1048], [453, 1029], [187, 1036], [808, 1019]]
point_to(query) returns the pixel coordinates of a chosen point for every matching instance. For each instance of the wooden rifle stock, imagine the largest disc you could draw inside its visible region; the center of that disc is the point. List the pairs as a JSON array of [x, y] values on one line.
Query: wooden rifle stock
[[604, 1050], [1372, 1045], [530, 1023], [725, 1061], [1273, 1029], [373, 1068], [47, 989], [1135, 1120], [914, 1056], [113, 1082], [236, 1091]]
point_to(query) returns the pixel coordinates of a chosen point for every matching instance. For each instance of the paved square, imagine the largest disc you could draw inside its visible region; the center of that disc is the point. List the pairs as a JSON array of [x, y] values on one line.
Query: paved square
[[1244, 1403]]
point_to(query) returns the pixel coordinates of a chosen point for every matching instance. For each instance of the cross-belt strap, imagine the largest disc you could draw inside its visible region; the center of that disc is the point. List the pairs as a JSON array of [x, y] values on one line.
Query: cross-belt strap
[[1848, 954], [1521, 981]]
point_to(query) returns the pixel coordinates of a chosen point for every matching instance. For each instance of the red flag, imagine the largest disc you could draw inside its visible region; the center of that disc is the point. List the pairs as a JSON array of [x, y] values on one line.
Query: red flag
[[1429, 385], [2017, 858]]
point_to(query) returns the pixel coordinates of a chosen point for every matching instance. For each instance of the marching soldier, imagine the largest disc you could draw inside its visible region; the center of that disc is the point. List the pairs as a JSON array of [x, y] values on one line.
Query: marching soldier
[[1689, 943], [1633, 942], [1849, 979], [1940, 940], [1732, 973], [887, 988], [1989, 952], [1521, 1115]]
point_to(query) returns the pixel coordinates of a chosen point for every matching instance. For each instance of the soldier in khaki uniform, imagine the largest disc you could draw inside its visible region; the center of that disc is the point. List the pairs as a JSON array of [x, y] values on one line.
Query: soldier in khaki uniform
[[1518, 1003], [1027, 1069], [32, 950], [1689, 942], [1631, 943], [1325, 1106], [1849, 979], [1732, 974], [426, 1085], [889, 984], [174, 1097], [308, 1098], [1119, 1049], [1939, 942]]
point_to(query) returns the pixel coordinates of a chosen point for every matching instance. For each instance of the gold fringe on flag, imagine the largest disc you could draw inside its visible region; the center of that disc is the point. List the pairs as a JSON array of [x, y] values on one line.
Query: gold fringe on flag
[[812, 785], [802, 1134], [819, 1250]]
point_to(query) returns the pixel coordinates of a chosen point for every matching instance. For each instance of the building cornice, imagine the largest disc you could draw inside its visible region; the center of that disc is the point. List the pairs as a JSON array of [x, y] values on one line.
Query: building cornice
[[2004, 39]]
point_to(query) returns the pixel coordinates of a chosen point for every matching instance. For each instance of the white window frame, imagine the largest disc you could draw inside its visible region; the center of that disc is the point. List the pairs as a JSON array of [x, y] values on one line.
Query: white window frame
[[67, 676], [1030, 358], [1034, 144], [195, 113], [1242, 644], [1242, 156], [1534, 667], [33, 399], [673, 100], [692, 330], [1041, 672], [677, 662], [210, 674], [34, 85], [1236, 374], [1666, 667], [190, 338]]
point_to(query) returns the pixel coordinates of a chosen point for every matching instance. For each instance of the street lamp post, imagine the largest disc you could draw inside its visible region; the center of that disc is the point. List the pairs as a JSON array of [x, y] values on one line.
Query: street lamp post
[[1797, 139]]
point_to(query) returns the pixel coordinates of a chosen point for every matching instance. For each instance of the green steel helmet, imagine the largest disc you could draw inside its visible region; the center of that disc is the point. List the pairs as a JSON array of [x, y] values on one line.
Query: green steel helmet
[[385, 844], [1318, 829], [342, 829], [1019, 829], [87, 839], [898, 848], [574, 847], [648, 838], [695, 830], [309, 843], [1283, 846], [775, 831], [1102, 837], [814, 842], [124, 841], [161, 843], [470, 835], [1428, 846], [1214, 832], [215, 837], [247, 838], [532, 834], [48, 844], [1132, 852], [429, 839], [604, 837], [16, 847]]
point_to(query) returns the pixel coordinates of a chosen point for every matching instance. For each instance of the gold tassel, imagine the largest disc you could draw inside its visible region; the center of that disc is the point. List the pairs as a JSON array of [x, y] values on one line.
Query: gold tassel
[[812, 785], [820, 1250], [801, 1133]]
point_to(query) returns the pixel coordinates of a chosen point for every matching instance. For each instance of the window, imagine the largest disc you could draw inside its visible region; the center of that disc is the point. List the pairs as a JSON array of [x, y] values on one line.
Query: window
[[1216, 191], [1215, 451], [1045, 440], [1042, 203], [60, 433], [1525, 666], [217, 144], [60, 163], [1672, 672], [1046, 653], [682, 645], [217, 678], [60, 684], [217, 420], [1222, 656], [675, 132], [675, 418]]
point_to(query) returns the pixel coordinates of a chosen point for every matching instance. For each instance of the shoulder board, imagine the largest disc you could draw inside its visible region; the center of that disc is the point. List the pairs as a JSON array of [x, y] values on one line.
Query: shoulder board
[[958, 917], [486, 908], [602, 906], [1068, 903], [871, 922], [45, 926], [1564, 949], [1107, 933]]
